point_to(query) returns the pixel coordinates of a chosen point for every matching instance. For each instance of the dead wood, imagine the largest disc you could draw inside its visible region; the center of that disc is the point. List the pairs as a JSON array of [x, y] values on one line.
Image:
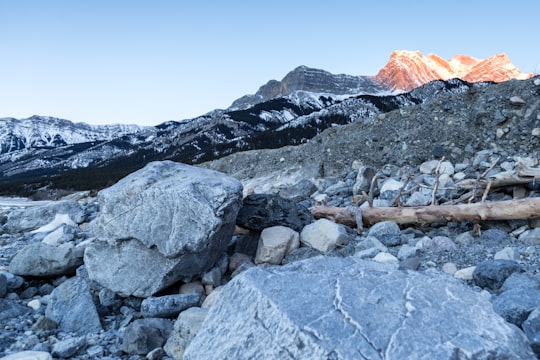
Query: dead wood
[[502, 210]]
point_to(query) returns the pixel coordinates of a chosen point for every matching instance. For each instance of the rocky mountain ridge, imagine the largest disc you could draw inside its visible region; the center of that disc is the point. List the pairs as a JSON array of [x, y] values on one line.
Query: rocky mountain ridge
[[407, 70], [49, 132]]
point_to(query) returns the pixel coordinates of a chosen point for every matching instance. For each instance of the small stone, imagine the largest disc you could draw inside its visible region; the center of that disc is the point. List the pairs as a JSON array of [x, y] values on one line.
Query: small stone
[[194, 287], [324, 235], [274, 243], [535, 132], [531, 327], [449, 268], [145, 335], [238, 259], [516, 304], [386, 258], [517, 100], [168, 305], [418, 198], [212, 277], [68, 348], [438, 244], [492, 273], [34, 304], [508, 253], [95, 351], [384, 228], [406, 251], [531, 237], [411, 263], [464, 239]]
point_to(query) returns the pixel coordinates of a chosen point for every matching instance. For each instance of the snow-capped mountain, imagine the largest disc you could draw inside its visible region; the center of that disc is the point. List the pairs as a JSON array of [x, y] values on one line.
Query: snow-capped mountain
[[44, 151], [47, 132], [407, 70]]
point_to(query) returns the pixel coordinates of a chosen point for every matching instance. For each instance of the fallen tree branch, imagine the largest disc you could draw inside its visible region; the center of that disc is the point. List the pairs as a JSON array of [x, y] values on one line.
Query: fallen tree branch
[[502, 210]]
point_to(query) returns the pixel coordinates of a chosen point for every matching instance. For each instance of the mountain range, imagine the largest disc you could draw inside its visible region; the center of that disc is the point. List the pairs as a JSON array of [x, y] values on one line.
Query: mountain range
[[45, 152]]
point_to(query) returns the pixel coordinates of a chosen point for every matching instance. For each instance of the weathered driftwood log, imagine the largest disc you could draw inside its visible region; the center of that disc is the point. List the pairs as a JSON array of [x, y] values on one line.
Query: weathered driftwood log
[[502, 210]]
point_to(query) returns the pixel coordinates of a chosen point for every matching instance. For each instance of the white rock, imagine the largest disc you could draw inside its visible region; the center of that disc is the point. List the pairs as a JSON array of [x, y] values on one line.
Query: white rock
[[429, 167], [535, 132], [324, 235], [536, 82], [386, 258], [391, 185], [34, 304], [29, 355], [465, 273], [449, 268], [59, 219], [274, 243], [508, 253]]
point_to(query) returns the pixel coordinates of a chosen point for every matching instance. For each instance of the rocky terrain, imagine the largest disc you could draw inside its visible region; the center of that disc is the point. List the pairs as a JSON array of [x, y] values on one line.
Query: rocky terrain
[[176, 261], [44, 157]]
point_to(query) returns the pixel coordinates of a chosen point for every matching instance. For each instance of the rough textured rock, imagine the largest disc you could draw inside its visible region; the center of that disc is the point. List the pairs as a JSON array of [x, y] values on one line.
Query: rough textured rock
[[187, 325], [10, 309], [349, 308], [275, 243], [324, 235], [144, 335], [3, 286], [260, 211], [69, 347], [168, 305], [492, 273], [176, 216], [33, 217], [29, 355], [531, 326], [71, 306], [515, 305], [40, 259]]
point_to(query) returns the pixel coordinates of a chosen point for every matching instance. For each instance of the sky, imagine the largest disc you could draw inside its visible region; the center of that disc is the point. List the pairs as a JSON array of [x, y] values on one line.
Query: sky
[[147, 62]]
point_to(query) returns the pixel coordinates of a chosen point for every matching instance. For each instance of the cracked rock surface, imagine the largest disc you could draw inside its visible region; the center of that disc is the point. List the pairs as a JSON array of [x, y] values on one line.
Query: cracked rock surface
[[349, 308]]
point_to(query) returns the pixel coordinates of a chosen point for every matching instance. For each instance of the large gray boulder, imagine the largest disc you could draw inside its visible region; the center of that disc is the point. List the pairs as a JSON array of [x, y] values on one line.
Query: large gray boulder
[[348, 308], [162, 223]]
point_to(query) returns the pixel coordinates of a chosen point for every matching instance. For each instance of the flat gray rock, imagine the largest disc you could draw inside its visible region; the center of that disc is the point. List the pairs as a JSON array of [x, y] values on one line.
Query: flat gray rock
[[348, 308]]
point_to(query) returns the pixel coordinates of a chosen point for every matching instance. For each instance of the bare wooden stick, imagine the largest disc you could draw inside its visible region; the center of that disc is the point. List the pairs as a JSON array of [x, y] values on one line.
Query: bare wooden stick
[[436, 185], [502, 210]]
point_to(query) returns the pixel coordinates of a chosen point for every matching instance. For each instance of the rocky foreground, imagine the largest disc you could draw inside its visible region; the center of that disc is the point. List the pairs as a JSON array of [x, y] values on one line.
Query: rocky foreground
[[182, 262], [177, 262]]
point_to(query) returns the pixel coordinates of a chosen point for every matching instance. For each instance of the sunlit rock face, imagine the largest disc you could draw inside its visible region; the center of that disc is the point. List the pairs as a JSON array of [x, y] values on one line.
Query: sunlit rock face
[[407, 70]]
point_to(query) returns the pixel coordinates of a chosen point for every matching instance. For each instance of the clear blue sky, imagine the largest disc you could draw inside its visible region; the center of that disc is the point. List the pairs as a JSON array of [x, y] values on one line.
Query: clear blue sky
[[146, 62]]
